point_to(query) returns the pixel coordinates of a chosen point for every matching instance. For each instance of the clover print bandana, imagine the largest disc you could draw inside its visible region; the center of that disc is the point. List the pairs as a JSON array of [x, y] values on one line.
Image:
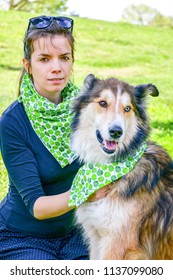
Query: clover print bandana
[[51, 122], [91, 177]]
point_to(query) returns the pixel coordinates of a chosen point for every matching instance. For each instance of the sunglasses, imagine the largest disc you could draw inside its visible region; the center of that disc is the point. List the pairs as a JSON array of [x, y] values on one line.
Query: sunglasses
[[43, 22]]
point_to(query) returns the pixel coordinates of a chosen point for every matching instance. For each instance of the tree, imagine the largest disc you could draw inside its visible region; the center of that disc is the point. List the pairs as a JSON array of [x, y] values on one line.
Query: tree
[[160, 20], [140, 14], [42, 6]]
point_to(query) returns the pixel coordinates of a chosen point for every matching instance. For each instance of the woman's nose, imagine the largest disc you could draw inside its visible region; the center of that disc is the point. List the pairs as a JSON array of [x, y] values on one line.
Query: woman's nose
[[56, 66]]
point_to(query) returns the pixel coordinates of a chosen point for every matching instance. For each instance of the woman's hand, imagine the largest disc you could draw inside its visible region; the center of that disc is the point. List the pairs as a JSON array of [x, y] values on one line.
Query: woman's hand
[[101, 193]]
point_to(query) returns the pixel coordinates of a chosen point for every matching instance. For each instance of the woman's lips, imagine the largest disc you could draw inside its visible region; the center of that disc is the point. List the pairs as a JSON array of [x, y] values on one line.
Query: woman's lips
[[56, 80]]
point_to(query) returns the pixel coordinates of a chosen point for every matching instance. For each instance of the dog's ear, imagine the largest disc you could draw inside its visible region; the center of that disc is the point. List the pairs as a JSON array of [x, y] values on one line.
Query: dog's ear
[[85, 93], [146, 89], [90, 81]]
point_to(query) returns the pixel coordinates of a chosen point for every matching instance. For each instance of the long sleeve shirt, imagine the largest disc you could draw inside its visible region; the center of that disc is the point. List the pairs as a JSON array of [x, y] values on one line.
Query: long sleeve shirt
[[33, 172]]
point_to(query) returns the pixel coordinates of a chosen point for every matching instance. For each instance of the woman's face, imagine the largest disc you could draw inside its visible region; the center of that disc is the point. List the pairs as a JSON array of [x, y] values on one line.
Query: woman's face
[[51, 65]]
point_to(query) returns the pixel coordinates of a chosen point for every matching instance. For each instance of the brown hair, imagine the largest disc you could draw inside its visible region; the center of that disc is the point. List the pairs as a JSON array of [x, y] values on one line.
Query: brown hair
[[35, 34]]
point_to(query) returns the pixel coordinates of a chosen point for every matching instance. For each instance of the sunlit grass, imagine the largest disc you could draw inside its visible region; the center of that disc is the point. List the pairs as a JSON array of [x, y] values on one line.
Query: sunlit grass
[[136, 54]]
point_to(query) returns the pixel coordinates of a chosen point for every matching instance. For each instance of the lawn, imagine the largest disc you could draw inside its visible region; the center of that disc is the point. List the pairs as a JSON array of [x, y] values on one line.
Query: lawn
[[136, 54]]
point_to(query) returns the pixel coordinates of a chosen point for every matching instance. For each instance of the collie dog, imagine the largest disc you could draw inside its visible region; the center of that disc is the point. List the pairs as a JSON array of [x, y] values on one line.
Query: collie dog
[[135, 220]]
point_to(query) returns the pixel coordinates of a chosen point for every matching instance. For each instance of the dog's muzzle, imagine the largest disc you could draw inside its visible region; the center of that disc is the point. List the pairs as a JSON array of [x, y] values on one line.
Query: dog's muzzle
[[108, 146]]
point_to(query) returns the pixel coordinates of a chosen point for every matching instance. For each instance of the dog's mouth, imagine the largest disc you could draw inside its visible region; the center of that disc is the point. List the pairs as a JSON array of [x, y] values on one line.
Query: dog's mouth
[[108, 146]]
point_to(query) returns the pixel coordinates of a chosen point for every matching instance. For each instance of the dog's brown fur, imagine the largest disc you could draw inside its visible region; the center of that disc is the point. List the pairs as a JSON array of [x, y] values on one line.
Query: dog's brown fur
[[135, 220]]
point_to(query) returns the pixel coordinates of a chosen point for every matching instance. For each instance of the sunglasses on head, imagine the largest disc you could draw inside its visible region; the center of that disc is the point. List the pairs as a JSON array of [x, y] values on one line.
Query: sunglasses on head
[[43, 22]]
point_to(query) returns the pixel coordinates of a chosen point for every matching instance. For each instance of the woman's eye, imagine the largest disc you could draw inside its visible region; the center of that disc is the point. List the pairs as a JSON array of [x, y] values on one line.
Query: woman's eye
[[65, 58], [44, 59], [127, 109], [103, 103]]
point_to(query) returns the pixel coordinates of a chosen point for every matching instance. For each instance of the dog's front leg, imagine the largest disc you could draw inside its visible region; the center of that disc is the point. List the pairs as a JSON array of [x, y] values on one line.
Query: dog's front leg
[[95, 247], [94, 253]]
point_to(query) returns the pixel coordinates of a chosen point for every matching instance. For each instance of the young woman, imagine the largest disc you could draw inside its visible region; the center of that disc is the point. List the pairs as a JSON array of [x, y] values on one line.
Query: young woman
[[35, 219]]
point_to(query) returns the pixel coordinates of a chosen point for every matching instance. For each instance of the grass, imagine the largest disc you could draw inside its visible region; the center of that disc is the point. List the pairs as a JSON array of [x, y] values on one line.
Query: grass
[[136, 54]]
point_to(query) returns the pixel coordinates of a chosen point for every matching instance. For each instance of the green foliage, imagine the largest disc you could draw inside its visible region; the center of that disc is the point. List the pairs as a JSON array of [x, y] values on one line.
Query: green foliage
[[136, 54], [139, 14], [48, 7], [41, 6], [160, 20]]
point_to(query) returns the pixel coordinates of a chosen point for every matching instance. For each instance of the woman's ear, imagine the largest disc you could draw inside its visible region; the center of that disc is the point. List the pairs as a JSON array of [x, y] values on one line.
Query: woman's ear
[[26, 65]]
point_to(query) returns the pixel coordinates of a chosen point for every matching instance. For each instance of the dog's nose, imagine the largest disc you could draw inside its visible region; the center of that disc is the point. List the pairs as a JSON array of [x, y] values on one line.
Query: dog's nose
[[115, 132]]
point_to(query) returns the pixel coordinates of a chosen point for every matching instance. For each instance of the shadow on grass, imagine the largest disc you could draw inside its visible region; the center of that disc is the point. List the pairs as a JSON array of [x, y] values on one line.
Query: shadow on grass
[[9, 67], [165, 126]]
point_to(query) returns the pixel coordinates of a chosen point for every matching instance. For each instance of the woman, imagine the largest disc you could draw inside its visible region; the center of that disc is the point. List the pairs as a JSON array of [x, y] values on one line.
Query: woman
[[35, 219]]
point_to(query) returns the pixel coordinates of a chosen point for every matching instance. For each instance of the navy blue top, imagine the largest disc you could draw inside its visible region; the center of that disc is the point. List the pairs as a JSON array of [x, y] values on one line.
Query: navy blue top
[[33, 172]]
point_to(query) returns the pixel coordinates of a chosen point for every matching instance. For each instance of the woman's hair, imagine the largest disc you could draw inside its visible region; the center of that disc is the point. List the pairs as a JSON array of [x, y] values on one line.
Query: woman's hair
[[35, 34]]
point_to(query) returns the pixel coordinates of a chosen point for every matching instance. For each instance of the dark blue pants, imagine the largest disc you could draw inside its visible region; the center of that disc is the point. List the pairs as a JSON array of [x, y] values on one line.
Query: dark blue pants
[[15, 245]]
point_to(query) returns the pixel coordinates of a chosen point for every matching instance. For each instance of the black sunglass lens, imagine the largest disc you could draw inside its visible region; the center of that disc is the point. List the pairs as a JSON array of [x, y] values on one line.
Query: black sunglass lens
[[41, 22], [65, 23]]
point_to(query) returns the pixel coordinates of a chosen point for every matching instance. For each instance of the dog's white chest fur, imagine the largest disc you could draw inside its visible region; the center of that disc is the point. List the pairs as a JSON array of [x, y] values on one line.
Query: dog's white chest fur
[[100, 215], [104, 219]]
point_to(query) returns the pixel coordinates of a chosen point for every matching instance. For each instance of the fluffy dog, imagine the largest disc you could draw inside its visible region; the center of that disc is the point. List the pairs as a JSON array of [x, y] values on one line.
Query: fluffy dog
[[135, 220]]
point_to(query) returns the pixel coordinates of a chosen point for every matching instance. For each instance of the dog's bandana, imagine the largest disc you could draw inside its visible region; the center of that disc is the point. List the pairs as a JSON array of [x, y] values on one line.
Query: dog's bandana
[[92, 177], [51, 122]]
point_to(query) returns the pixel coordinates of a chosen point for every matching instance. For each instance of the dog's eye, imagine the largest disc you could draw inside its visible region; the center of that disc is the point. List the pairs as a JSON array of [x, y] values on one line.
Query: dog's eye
[[127, 109], [103, 103]]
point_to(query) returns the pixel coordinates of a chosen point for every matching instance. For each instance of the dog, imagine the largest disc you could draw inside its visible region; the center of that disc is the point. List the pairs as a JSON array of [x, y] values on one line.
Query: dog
[[135, 220]]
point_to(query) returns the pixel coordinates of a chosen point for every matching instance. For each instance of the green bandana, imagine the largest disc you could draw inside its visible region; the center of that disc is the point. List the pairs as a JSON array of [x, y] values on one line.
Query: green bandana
[[51, 122], [92, 177]]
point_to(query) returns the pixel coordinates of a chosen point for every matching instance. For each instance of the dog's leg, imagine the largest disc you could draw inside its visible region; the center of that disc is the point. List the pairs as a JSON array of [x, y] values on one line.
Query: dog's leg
[[94, 252], [130, 255], [95, 247], [137, 254], [110, 249], [118, 248]]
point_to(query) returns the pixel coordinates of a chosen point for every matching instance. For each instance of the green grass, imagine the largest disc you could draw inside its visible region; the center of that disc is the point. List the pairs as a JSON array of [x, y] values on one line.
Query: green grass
[[136, 54]]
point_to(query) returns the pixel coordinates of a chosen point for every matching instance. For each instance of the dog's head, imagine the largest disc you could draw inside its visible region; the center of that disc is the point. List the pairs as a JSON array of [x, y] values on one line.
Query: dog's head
[[110, 116]]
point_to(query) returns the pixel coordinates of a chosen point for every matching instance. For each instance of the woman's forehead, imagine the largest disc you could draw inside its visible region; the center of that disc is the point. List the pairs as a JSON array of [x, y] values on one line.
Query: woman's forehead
[[49, 43]]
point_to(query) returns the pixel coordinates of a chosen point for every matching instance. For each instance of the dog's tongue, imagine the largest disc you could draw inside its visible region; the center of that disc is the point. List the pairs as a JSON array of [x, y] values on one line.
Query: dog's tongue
[[110, 145]]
